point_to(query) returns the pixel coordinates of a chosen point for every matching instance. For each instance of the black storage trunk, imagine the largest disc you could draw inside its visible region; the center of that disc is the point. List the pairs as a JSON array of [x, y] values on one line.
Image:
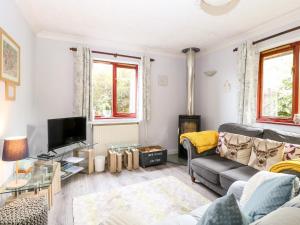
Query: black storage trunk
[[153, 157]]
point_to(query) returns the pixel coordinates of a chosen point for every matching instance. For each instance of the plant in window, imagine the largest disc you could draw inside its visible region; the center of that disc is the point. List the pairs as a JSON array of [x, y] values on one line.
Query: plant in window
[[107, 110]]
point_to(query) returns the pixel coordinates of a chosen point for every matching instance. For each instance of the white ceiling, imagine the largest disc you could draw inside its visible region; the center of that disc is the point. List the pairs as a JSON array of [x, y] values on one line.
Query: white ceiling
[[163, 25]]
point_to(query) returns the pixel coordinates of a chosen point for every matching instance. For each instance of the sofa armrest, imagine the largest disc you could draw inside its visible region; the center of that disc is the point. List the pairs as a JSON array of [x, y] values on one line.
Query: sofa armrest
[[192, 152], [237, 189]]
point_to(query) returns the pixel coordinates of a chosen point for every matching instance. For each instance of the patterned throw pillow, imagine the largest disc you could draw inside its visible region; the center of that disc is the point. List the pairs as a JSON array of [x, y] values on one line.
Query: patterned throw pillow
[[235, 147], [265, 153], [269, 196], [255, 181], [224, 210], [291, 151]]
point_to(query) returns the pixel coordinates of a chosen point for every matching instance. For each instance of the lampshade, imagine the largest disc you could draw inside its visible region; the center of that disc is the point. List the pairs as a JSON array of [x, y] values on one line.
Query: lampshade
[[15, 148]]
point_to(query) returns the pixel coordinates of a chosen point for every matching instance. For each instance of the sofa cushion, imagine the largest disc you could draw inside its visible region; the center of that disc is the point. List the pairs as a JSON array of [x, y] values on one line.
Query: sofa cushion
[[291, 151], [282, 136], [214, 187], [227, 178], [210, 167], [241, 129], [235, 147], [265, 153]]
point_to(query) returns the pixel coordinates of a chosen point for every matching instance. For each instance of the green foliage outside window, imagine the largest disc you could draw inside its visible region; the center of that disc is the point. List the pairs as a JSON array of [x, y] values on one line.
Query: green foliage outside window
[[285, 100]]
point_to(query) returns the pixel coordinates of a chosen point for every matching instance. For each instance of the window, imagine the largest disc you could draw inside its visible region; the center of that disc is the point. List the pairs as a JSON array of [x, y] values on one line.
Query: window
[[114, 90], [278, 85]]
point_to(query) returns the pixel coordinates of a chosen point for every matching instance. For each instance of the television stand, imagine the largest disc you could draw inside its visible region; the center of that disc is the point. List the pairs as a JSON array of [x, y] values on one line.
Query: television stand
[[53, 151], [45, 156], [80, 159]]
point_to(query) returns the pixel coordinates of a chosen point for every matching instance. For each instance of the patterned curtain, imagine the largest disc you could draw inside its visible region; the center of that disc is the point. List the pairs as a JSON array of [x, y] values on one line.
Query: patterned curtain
[[248, 62], [82, 83], [146, 66]]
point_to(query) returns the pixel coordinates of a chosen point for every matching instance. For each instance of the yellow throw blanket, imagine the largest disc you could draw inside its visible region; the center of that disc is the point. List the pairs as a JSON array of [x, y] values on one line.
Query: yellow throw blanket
[[203, 141], [286, 165]]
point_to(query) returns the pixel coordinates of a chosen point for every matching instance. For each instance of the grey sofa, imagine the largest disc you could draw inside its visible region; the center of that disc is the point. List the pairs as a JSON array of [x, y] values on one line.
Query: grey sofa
[[219, 173]]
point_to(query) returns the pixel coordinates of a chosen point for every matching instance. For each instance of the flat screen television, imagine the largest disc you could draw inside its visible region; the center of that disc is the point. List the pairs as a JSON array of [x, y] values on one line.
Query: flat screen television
[[66, 131]]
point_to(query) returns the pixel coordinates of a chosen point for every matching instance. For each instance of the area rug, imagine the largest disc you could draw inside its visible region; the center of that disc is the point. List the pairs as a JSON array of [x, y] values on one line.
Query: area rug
[[147, 202]]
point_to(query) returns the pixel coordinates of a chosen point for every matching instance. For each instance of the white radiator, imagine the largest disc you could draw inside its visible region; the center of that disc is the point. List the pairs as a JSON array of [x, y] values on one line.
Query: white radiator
[[105, 135]]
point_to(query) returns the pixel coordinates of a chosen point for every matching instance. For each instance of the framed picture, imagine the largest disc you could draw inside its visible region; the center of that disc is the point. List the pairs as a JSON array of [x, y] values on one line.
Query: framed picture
[[10, 91], [9, 59]]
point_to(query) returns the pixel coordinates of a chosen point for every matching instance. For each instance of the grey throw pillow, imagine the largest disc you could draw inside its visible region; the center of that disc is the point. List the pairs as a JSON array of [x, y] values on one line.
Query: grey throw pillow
[[222, 211], [237, 189], [269, 196]]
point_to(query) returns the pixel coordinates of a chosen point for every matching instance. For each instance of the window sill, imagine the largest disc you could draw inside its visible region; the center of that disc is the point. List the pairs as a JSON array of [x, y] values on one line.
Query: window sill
[[279, 123], [115, 121]]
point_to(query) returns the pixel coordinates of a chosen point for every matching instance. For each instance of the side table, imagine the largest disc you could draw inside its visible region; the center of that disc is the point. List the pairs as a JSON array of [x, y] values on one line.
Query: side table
[[44, 180]]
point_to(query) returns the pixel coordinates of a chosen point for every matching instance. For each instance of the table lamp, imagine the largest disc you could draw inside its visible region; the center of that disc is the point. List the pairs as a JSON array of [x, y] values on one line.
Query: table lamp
[[14, 149]]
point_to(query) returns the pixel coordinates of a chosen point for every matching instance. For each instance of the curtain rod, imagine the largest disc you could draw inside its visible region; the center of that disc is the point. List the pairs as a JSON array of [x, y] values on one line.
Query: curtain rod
[[113, 54], [273, 36]]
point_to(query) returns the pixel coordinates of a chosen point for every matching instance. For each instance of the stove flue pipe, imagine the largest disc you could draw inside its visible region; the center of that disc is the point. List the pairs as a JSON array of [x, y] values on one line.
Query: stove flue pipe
[[190, 63]]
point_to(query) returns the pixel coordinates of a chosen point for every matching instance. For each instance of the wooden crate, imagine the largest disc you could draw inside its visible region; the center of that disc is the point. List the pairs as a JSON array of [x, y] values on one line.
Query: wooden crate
[[152, 155]]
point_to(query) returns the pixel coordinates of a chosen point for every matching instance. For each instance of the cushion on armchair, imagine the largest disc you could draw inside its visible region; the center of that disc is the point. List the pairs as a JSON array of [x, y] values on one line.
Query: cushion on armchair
[[255, 181], [269, 196], [222, 211]]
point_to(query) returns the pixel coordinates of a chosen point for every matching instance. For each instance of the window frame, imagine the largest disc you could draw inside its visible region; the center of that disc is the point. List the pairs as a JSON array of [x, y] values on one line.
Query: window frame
[[294, 47], [115, 114]]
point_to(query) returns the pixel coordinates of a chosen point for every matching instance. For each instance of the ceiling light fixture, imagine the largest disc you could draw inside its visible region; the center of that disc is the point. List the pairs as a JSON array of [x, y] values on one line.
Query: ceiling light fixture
[[218, 7]]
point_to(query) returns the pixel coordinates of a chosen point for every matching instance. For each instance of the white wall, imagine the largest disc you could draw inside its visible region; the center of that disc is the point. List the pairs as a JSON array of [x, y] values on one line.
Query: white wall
[[53, 86], [54, 91], [213, 102], [166, 102], [16, 115]]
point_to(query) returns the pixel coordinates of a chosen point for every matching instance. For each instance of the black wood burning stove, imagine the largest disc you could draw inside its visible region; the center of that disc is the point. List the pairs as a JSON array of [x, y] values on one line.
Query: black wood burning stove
[[187, 124]]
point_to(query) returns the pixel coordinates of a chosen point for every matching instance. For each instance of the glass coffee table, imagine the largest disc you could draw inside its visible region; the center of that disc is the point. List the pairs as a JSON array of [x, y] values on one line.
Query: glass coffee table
[[40, 180]]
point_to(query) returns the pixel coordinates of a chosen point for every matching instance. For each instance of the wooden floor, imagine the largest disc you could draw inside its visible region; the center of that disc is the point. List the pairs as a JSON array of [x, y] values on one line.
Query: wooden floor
[[61, 212]]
